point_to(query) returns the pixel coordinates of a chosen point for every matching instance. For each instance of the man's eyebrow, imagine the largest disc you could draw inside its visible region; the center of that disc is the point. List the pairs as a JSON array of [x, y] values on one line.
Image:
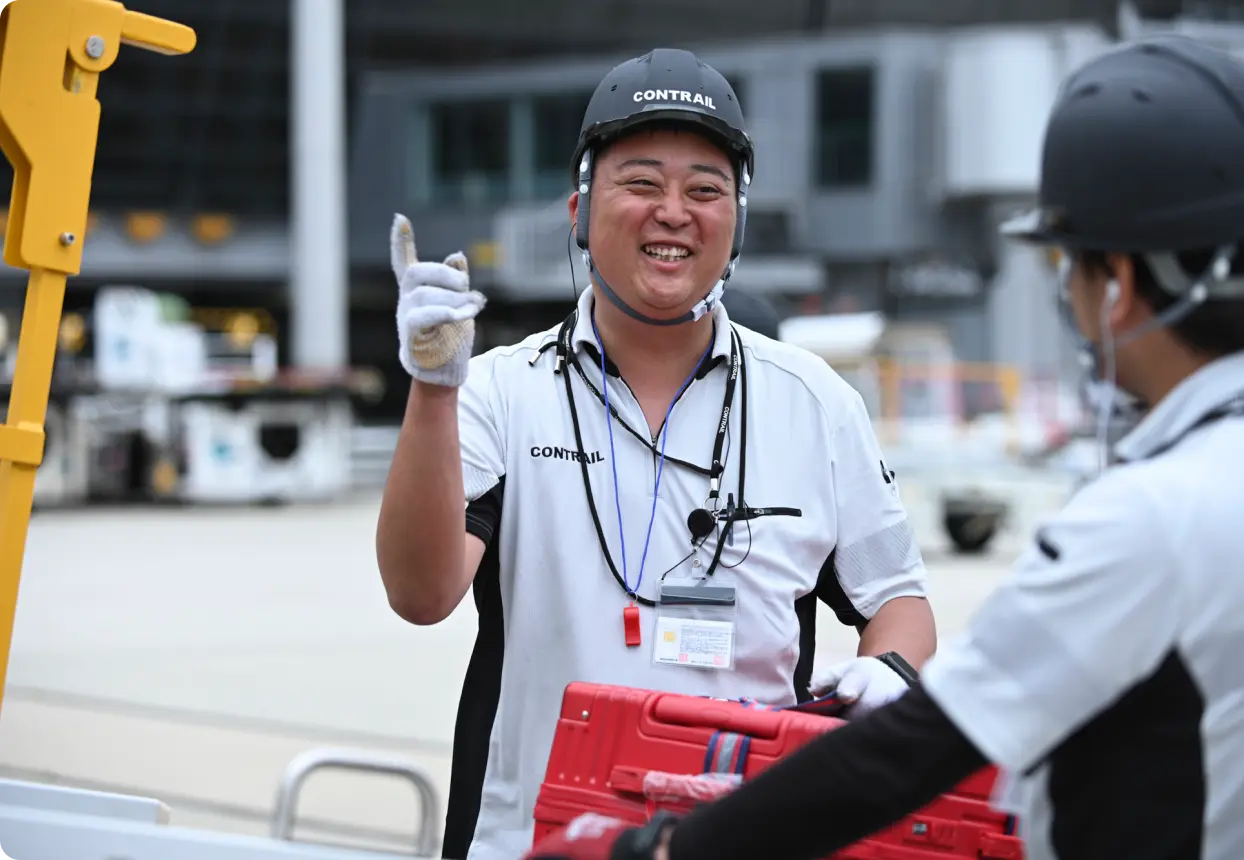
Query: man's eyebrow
[[640, 162], [709, 168], [654, 162]]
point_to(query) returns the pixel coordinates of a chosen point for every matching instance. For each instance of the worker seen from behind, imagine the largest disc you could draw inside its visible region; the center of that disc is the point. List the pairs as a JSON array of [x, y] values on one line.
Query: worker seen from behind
[[1105, 677], [654, 496]]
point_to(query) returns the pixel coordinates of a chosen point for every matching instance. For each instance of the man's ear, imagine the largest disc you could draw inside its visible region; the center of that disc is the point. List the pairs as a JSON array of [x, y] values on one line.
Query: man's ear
[[572, 205], [1126, 303]]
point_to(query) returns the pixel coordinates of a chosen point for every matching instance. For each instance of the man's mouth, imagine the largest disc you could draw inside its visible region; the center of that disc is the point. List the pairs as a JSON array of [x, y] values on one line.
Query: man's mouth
[[667, 253]]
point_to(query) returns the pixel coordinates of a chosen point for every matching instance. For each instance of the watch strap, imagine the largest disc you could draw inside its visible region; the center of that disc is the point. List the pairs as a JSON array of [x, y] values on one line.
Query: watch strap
[[900, 667]]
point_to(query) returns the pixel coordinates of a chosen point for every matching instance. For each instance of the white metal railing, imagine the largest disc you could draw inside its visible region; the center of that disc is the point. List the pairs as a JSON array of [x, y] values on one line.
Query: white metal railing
[[50, 822], [426, 840], [532, 252]]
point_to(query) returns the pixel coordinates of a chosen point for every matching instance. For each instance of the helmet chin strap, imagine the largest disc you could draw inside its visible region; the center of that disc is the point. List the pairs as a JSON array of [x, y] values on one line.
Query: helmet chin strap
[[703, 307]]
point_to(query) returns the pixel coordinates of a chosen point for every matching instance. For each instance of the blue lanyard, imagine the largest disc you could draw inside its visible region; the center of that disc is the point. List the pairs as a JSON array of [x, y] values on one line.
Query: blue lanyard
[[613, 460]]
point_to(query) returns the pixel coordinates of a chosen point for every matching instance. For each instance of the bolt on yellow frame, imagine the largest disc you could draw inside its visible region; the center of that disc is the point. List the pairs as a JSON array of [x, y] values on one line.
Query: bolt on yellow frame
[[51, 55]]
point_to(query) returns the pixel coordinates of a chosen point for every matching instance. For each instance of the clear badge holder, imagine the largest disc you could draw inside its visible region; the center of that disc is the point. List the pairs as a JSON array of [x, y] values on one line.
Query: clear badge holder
[[695, 624]]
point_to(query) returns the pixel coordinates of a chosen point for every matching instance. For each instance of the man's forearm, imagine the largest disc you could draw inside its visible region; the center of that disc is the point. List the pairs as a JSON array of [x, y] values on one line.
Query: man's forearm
[[419, 535], [904, 625], [834, 791]]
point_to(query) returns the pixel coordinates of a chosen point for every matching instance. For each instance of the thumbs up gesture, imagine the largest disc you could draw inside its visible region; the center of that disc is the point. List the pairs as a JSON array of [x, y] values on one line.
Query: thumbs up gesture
[[436, 310]]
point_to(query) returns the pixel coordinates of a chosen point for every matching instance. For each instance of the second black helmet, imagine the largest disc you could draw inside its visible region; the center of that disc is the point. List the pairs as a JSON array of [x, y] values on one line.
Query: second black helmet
[[1144, 152]]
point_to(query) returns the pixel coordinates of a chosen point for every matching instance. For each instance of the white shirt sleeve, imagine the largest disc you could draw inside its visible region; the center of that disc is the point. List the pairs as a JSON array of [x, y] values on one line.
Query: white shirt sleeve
[[877, 557], [1090, 610], [480, 407]]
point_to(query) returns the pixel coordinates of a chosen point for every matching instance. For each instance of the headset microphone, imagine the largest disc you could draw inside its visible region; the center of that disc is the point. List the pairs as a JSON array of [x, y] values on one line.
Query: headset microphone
[[702, 521]]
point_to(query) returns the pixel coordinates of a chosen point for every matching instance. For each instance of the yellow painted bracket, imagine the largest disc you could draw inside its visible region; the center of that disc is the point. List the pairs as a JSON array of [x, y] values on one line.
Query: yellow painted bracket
[[51, 55]]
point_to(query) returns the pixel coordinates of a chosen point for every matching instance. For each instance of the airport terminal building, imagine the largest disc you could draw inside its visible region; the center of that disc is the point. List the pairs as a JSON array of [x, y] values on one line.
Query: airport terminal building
[[892, 136]]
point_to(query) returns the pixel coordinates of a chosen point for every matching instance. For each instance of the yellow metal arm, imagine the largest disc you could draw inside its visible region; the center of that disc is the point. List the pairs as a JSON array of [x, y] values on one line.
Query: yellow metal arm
[[51, 55]]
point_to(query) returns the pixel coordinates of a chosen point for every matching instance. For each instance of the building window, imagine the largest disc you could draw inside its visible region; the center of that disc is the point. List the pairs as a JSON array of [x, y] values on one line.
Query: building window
[[470, 152], [845, 121], [556, 120]]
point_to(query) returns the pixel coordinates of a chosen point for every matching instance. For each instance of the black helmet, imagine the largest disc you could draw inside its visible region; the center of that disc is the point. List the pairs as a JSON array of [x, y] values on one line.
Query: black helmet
[[1144, 153], [668, 85], [751, 311], [665, 85]]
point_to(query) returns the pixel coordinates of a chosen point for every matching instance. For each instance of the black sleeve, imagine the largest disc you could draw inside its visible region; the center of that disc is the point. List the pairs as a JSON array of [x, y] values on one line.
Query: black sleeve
[[837, 789], [481, 685], [484, 514], [829, 591]]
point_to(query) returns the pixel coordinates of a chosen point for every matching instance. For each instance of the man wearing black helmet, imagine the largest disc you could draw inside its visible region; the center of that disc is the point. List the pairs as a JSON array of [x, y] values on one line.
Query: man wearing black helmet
[[1106, 676], [655, 497]]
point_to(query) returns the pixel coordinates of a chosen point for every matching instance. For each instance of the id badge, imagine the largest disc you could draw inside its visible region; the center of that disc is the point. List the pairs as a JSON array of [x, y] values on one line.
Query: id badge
[[695, 624]]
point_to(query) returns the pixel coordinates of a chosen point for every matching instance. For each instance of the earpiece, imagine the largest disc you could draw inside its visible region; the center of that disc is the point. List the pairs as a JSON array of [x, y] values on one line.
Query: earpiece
[[585, 200], [1112, 292], [740, 226]]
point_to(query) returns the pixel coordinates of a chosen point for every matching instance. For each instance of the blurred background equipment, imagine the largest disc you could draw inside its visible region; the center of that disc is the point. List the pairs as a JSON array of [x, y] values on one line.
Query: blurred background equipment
[[962, 432], [149, 403]]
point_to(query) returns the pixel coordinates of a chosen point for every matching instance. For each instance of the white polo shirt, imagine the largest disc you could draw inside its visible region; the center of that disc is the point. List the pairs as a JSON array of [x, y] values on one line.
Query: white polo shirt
[[1107, 674], [553, 605]]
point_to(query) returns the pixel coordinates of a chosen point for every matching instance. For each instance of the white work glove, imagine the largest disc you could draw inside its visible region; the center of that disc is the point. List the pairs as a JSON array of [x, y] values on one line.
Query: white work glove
[[436, 310], [866, 682]]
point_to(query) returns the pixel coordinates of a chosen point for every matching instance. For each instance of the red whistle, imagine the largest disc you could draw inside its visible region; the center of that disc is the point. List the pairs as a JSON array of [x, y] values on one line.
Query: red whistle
[[630, 623]]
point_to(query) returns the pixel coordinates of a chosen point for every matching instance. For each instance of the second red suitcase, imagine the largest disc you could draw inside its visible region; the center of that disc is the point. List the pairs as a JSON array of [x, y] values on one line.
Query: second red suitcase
[[625, 752]]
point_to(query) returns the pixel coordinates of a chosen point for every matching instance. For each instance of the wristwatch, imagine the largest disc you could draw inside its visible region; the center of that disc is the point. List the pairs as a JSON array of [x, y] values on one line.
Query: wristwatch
[[900, 667]]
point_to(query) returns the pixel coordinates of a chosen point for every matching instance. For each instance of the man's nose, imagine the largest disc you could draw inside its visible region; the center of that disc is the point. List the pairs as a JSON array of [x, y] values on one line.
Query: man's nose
[[672, 211]]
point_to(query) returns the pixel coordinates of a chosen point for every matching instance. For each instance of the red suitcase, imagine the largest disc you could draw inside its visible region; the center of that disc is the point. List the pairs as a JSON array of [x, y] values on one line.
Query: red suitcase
[[610, 740]]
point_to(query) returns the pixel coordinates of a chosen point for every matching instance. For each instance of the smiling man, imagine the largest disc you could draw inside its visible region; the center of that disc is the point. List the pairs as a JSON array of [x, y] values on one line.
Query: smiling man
[[654, 496]]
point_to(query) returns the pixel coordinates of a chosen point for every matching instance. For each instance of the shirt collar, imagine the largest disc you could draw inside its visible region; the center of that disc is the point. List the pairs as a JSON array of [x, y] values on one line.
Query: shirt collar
[[584, 338], [1210, 387]]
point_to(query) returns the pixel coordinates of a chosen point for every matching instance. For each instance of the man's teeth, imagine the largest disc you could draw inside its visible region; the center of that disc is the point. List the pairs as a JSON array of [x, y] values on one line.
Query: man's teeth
[[665, 252]]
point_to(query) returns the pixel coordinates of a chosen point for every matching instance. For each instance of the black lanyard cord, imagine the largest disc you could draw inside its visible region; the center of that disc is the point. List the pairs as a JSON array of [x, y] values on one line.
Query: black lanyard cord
[[714, 478], [729, 519], [591, 501], [629, 429], [737, 369]]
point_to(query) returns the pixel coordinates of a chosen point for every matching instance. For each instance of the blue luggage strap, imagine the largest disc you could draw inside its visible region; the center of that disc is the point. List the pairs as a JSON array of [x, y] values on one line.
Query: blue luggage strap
[[727, 751]]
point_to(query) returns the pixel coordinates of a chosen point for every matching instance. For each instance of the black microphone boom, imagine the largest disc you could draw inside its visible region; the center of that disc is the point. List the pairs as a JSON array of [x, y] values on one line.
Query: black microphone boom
[[757, 513], [702, 521]]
